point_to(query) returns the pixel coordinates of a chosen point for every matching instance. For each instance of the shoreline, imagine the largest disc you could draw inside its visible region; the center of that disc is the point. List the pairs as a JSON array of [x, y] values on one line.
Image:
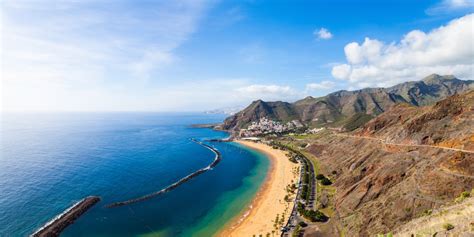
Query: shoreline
[[258, 218]]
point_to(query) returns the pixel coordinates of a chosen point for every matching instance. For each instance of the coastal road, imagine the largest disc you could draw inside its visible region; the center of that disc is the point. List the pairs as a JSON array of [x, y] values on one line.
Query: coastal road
[[400, 144], [294, 218]]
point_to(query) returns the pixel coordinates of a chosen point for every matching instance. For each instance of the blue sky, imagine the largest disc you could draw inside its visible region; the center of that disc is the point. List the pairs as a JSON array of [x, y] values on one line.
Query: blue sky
[[200, 55]]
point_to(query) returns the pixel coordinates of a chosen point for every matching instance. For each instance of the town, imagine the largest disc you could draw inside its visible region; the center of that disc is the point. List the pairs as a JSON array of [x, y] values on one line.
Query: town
[[266, 126]]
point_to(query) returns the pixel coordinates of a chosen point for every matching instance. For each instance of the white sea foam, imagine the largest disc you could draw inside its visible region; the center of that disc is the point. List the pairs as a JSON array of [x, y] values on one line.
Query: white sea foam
[[57, 217]]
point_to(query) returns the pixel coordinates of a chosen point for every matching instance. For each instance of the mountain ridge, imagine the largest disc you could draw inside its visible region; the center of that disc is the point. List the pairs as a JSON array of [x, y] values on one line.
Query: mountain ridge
[[350, 109]]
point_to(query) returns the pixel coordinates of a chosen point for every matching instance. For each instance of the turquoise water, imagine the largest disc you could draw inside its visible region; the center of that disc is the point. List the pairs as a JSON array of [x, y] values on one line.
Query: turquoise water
[[50, 161]]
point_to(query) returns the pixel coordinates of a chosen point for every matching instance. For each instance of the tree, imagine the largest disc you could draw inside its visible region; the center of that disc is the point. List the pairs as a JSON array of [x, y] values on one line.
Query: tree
[[326, 181], [314, 216], [320, 177]]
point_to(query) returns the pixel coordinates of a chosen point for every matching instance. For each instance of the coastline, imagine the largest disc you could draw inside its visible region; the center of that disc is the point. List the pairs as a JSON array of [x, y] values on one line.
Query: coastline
[[258, 218]]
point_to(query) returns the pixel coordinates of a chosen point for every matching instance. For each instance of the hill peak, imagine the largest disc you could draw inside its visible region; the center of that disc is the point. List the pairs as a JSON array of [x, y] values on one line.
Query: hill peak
[[436, 78], [259, 101]]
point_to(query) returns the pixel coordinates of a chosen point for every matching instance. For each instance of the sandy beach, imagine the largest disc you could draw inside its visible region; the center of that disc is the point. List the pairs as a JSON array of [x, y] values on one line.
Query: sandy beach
[[260, 216]]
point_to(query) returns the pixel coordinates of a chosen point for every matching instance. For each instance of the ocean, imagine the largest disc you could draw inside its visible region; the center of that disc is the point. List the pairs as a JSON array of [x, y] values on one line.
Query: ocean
[[49, 161]]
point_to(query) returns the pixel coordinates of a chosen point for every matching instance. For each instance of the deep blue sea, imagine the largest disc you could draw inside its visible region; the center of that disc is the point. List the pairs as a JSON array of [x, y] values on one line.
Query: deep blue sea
[[49, 161]]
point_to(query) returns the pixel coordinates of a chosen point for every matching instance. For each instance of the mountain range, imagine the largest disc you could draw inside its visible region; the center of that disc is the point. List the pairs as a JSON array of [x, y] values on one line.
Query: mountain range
[[350, 109]]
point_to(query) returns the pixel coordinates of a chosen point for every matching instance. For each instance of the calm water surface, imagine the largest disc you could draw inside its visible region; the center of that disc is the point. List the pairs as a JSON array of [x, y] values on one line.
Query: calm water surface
[[50, 161]]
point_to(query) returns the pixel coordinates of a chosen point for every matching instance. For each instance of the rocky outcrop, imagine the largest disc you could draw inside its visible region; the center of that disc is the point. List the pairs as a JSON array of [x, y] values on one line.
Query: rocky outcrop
[[448, 123]]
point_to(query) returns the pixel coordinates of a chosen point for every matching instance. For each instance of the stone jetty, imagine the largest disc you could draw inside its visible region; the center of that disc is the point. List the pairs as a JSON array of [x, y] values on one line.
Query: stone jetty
[[59, 223], [217, 159]]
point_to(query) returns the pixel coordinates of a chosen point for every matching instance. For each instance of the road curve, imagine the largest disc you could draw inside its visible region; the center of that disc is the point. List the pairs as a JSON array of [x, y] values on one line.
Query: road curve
[[407, 145]]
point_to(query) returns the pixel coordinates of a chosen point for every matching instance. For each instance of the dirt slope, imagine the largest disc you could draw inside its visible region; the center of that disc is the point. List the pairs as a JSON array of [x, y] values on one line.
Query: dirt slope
[[381, 186]]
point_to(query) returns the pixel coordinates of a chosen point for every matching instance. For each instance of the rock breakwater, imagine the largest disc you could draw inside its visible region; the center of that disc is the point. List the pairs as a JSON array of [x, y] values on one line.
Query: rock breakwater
[[217, 159], [59, 223]]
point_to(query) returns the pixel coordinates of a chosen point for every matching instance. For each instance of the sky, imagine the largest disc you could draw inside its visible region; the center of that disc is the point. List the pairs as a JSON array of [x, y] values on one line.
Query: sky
[[195, 55]]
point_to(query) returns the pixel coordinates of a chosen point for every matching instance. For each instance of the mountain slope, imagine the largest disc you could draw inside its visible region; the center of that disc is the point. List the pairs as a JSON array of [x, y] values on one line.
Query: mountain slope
[[342, 108], [281, 111], [399, 165], [459, 215]]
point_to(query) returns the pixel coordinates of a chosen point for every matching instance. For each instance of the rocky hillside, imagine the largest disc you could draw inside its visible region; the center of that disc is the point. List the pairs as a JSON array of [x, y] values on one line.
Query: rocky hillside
[[400, 165], [452, 220], [280, 111], [443, 124], [350, 109]]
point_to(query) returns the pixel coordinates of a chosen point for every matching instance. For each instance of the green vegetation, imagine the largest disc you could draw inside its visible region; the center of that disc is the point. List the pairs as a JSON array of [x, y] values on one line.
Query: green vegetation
[[302, 224], [312, 215], [309, 136], [427, 212], [309, 160], [307, 184], [463, 196], [291, 156], [293, 159], [448, 226], [383, 235], [356, 121], [275, 223], [325, 181], [297, 231], [320, 176], [291, 189]]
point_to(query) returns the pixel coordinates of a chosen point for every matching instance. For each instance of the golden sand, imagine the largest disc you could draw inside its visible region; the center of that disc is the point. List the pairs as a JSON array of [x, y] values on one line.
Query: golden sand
[[269, 202]]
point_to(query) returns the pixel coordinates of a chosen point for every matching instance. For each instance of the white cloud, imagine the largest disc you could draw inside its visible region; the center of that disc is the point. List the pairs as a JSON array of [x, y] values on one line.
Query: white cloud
[[54, 52], [448, 6], [267, 92], [265, 89], [323, 33], [218, 93], [448, 49], [460, 3], [342, 71], [324, 85]]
